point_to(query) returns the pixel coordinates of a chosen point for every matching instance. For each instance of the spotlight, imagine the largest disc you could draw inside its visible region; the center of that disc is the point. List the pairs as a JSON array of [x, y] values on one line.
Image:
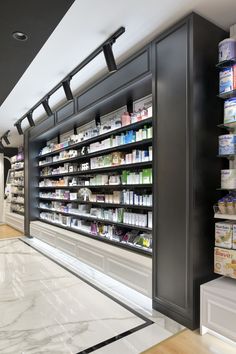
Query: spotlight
[[67, 90], [5, 137], [109, 57], [18, 127], [47, 107], [30, 119]]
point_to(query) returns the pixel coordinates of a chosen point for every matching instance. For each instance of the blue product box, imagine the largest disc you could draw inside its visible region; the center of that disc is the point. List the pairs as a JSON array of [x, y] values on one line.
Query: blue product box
[[227, 144], [226, 80], [230, 111]]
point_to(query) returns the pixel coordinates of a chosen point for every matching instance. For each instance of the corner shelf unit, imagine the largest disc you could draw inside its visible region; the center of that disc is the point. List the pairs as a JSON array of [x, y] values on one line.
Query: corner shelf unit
[[114, 169]]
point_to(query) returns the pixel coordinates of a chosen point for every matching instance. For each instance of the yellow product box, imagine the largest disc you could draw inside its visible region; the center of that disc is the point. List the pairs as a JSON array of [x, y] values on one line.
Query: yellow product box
[[225, 262]]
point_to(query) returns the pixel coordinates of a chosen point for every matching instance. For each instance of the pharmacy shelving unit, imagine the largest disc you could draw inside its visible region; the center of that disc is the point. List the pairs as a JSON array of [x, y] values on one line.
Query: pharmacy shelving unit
[[144, 143], [178, 70], [15, 216]]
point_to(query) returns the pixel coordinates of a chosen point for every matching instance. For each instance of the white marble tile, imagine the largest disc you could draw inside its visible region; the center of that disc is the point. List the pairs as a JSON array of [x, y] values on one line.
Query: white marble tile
[[131, 297], [45, 309]]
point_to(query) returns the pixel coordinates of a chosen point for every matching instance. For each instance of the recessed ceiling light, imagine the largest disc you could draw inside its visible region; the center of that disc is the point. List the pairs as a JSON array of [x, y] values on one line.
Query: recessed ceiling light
[[19, 36]]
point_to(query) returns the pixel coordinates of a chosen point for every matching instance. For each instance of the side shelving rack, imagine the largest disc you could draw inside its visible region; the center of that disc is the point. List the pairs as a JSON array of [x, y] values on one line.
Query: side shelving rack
[[101, 191], [17, 184], [225, 209]]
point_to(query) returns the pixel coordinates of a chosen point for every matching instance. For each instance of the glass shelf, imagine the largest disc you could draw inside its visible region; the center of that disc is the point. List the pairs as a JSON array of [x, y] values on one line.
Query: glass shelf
[[131, 247], [227, 126], [226, 63], [229, 156], [228, 94], [110, 186]]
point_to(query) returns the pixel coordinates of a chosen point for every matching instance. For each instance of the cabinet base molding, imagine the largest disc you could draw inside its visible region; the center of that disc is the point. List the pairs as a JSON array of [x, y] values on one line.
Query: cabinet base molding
[[129, 268]]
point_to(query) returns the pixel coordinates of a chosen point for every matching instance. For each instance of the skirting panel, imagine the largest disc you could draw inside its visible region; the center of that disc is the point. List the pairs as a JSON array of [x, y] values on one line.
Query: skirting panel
[[15, 220], [130, 268]]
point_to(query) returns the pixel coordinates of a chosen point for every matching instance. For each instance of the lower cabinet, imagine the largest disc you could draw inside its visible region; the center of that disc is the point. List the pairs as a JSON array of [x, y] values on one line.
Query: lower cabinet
[[131, 269], [218, 307], [15, 220]]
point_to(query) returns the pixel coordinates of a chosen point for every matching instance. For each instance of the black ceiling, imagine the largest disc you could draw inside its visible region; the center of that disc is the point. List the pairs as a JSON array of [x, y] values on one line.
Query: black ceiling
[[36, 18]]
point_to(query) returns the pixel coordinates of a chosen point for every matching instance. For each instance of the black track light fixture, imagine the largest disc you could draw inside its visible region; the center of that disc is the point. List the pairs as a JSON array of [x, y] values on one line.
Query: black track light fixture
[[47, 107], [1, 145], [67, 90], [30, 119], [109, 57], [18, 127], [5, 137]]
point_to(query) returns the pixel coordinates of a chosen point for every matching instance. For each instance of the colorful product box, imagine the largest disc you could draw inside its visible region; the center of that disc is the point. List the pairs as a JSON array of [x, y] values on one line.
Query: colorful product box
[[227, 144], [224, 234], [225, 262], [230, 111], [227, 79]]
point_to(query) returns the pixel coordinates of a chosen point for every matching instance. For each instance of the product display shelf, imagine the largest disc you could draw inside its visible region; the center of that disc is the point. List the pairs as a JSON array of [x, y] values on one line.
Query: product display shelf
[[224, 216], [104, 204], [106, 221], [17, 206], [228, 94], [110, 186], [227, 156], [100, 137], [129, 246], [226, 63], [18, 169], [101, 169], [123, 147], [227, 126]]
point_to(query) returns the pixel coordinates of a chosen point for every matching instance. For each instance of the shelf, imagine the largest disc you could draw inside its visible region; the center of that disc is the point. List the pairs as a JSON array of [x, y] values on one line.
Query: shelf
[[227, 126], [102, 204], [14, 202], [17, 193], [226, 189], [100, 152], [112, 186], [101, 169], [226, 63], [100, 137], [228, 94], [17, 169], [224, 216], [18, 212], [228, 156], [141, 250], [17, 185], [105, 221]]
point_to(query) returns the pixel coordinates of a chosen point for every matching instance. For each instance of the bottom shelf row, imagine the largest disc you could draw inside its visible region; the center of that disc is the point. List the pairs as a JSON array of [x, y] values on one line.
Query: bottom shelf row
[[121, 236]]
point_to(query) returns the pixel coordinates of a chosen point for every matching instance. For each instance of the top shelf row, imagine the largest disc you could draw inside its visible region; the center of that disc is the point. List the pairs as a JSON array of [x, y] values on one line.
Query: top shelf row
[[100, 137]]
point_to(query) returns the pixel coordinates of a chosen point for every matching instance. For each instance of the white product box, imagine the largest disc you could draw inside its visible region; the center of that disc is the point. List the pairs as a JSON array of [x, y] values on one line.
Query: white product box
[[234, 237], [224, 234], [228, 179]]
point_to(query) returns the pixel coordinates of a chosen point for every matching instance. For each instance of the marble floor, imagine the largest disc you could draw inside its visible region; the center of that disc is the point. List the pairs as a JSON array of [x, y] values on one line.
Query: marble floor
[[47, 309]]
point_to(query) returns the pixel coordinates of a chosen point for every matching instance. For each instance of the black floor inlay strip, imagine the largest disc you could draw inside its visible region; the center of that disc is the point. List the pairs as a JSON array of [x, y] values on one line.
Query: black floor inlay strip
[[147, 321]]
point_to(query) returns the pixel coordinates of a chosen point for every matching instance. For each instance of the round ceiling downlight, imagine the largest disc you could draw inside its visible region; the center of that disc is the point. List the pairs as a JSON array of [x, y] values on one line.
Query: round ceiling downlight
[[20, 36]]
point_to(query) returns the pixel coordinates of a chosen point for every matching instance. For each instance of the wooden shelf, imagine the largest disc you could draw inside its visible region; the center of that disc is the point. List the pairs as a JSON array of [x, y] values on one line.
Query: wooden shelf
[[128, 246], [100, 152], [101, 137]]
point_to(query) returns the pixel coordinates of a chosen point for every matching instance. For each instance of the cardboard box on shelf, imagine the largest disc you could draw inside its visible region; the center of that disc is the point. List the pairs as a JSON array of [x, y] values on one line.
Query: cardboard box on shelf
[[224, 234], [225, 262]]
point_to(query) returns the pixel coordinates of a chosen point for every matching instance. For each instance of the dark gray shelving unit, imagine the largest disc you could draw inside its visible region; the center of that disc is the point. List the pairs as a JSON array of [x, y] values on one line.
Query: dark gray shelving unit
[[178, 69]]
